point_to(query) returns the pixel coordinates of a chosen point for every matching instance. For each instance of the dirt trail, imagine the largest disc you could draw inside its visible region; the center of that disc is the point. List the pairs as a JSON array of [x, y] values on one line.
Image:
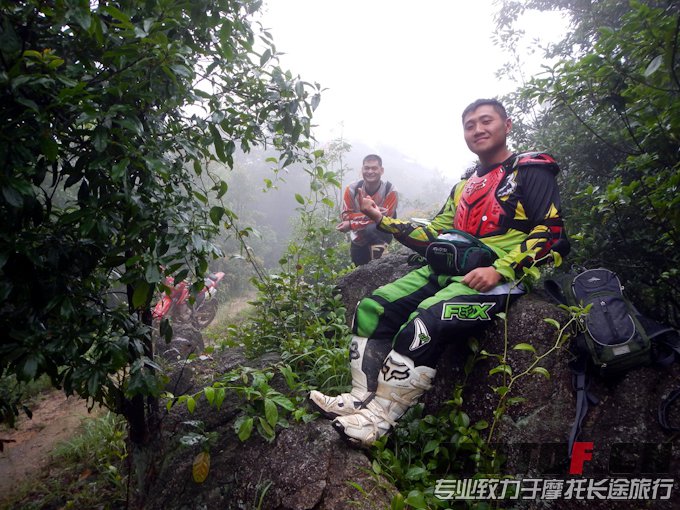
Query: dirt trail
[[55, 418]]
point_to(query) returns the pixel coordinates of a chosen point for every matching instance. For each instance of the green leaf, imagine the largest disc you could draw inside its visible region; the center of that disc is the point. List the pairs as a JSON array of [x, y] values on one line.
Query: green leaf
[[29, 367], [100, 139], [501, 390], [118, 170], [201, 197], [191, 404], [223, 187], [245, 429], [524, 347], [216, 213], [117, 14], [209, 393], [481, 425], [552, 322], [49, 148], [12, 196], [654, 65], [166, 330], [541, 371], [416, 499], [506, 272], [283, 401], [431, 446], [300, 199], [557, 259], [33, 54], [415, 473], [516, 400], [316, 99], [141, 294], [532, 272], [358, 487], [271, 412], [266, 429], [152, 274], [220, 395], [217, 142], [505, 369]]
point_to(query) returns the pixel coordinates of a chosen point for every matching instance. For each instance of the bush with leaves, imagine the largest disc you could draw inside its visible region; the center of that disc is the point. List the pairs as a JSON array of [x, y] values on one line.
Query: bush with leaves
[[110, 110], [300, 313], [613, 121]]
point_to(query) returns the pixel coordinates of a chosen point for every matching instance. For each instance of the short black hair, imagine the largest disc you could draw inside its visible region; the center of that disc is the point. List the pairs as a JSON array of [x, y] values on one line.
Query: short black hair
[[495, 103], [372, 157]]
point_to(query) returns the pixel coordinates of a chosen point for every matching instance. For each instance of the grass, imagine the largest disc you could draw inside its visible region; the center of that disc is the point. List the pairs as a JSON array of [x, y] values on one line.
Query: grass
[[87, 471], [229, 314]]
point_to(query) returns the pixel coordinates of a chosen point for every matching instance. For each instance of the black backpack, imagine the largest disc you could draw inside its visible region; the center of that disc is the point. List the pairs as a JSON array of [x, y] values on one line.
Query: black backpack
[[614, 336]]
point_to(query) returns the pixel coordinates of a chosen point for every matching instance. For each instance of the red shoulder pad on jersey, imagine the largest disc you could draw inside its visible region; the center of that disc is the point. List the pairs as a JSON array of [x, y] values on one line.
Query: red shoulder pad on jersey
[[536, 158]]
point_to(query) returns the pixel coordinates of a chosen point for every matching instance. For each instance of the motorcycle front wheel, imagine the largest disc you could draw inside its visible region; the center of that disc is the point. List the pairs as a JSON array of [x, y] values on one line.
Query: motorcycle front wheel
[[204, 315]]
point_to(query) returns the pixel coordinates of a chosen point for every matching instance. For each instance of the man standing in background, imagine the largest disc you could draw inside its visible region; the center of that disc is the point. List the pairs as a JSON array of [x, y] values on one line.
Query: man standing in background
[[367, 243]]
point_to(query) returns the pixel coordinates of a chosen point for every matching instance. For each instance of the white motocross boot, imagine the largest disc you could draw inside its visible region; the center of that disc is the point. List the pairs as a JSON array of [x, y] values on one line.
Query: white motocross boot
[[400, 384], [364, 364]]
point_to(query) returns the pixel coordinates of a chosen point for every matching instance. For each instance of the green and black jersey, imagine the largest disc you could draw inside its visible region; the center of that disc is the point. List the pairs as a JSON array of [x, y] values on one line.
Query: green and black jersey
[[530, 218]]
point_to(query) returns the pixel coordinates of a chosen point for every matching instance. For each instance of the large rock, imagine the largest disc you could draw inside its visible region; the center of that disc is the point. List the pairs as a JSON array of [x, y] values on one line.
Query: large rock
[[186, 340], [308, 467], [534, 434]]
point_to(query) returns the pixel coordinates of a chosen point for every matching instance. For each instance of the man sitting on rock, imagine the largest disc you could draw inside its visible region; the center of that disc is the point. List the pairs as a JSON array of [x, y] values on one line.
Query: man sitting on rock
[[511, 204]]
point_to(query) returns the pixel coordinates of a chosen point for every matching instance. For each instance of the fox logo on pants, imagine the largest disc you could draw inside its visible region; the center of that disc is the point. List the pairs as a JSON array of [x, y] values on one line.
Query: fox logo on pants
[[421, 335], [467, 311], [393, 370]]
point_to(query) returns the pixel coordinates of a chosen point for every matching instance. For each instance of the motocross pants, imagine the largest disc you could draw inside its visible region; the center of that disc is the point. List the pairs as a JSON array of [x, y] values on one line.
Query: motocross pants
[[422, 311]]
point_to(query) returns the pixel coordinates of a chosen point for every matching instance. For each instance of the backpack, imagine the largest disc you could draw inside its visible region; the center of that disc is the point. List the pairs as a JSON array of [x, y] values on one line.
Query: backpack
[[614, 336]]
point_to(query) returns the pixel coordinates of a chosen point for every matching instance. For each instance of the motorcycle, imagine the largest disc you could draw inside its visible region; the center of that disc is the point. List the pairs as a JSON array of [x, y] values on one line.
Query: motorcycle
[[176, 304]]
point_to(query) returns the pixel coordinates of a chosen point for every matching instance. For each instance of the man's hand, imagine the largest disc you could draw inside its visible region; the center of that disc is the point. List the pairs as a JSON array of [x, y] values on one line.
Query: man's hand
[[369, 207], [343, 226], [482, 279]]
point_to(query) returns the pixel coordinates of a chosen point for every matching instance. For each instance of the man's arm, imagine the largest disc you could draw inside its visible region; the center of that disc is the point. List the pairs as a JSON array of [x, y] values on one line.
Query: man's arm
[[541, 201], [357, 220], [416, 237], [351, 218]]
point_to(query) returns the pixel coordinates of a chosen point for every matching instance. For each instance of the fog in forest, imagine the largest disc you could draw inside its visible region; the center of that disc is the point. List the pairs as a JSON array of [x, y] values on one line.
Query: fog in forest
[[272, 211]]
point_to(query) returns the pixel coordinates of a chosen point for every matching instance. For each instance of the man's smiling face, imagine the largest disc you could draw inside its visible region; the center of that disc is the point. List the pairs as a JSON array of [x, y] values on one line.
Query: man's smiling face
[[485, 132], [371, 171]]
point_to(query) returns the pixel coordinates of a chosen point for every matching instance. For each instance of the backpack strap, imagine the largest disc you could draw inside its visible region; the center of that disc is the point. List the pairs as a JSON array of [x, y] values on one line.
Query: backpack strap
[[554, 289], [580, 383], [359, 184], [388, 188], [663, 411], [666, 342]]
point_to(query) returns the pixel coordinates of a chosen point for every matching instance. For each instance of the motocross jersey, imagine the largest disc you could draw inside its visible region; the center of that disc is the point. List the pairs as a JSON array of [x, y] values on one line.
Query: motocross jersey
[[362, 229], [513, 207]]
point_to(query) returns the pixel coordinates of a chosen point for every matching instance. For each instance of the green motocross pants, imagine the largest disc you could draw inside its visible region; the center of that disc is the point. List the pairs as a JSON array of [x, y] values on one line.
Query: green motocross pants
[[422, 311]]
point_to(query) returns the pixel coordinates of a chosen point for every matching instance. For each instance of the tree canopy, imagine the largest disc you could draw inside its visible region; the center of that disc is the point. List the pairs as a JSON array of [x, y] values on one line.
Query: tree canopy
[[111, 113], [610, 110]]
